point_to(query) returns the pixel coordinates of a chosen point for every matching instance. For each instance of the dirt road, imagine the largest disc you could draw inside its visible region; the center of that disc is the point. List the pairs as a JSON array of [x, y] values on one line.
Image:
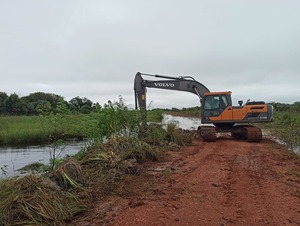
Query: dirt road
[[227, 182]]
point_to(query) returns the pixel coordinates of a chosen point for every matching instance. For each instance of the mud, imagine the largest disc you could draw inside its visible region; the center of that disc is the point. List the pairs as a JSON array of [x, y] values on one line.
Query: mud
[[227, 182]]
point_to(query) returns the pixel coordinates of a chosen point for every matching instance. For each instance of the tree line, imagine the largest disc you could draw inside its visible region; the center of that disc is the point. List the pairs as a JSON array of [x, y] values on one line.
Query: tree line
[[283, 107], [38, 102]]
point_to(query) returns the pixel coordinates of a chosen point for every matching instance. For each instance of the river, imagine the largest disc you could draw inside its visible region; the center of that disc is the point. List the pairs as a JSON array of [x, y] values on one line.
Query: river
[[14, 158]]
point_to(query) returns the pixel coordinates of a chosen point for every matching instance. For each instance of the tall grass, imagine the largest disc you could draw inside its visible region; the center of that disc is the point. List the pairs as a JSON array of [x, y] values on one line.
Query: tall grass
[[286, 127], [185, 112], [155, 115], [20, 130]]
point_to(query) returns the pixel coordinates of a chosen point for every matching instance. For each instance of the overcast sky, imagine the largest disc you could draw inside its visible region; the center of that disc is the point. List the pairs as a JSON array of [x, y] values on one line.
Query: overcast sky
[[94, 48]]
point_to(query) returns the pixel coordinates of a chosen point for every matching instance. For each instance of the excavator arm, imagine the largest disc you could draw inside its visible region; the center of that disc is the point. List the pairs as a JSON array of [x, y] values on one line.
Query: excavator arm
[[182, 83]]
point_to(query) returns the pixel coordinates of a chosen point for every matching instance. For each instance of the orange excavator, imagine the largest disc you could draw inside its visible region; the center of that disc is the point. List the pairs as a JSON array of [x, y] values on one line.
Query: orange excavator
[[216, 107]]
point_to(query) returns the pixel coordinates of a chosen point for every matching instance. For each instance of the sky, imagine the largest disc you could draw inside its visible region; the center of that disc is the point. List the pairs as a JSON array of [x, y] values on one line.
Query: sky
[[94, 48]]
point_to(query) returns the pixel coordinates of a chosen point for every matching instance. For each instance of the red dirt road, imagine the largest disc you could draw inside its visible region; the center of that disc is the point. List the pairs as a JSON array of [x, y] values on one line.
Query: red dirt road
[[227, 182]]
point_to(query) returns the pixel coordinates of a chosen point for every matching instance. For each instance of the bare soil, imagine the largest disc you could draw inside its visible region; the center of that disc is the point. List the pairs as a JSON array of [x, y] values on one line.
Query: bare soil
[[227, 182]]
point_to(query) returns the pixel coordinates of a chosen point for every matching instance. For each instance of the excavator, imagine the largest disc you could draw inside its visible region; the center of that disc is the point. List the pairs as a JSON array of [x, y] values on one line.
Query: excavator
[[217, 113]]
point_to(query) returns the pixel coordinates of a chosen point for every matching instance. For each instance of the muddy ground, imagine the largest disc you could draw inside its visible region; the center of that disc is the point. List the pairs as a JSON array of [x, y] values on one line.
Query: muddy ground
[[227, 182]]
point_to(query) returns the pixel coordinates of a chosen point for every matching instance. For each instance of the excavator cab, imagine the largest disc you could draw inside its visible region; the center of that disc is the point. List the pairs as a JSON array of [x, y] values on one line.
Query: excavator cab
[[214, 104]]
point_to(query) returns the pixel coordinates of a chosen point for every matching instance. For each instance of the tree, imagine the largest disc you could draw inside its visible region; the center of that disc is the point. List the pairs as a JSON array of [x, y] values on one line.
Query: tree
[[14, 105], [3, 98], [82, 105], [44, 107], [296, 107], [36, 99]]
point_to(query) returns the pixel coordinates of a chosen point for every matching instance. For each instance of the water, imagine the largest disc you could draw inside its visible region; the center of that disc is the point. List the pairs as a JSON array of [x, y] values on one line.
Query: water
[[183, 122], [14, 158]]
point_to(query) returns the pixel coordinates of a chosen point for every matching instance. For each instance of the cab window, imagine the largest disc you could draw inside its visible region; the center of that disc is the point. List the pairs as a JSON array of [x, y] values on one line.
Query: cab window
[[224, 102], [212, 102]]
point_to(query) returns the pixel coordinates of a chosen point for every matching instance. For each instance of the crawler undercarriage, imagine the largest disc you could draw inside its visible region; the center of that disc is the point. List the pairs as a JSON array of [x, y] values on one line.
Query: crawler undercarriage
[[244, 132]]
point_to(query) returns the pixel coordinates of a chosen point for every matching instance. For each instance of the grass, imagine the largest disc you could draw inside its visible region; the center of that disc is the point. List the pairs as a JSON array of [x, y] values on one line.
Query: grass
[[185, 112], [20, 130], [155, 115], [286, 127]]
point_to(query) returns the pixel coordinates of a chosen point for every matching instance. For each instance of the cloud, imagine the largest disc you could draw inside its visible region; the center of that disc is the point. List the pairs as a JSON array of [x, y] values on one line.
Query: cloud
[[94, 48]]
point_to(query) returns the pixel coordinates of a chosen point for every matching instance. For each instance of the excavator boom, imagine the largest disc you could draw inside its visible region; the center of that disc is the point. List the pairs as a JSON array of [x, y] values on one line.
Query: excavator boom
[[183, 83]]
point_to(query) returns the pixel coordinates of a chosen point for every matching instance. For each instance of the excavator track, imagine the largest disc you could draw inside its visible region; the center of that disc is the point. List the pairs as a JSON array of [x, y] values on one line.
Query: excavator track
[[249, 133], [208, 133], [253, 134]]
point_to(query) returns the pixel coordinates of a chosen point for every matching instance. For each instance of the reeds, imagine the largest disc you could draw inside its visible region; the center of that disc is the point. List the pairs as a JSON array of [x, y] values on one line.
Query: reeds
[[21, 130]]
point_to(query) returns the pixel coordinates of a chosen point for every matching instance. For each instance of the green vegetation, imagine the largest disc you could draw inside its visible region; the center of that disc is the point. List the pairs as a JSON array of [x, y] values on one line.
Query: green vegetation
[[291, 132], [35, 102], [186, 112], [155, 115], [16, 130], [286, 126]]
